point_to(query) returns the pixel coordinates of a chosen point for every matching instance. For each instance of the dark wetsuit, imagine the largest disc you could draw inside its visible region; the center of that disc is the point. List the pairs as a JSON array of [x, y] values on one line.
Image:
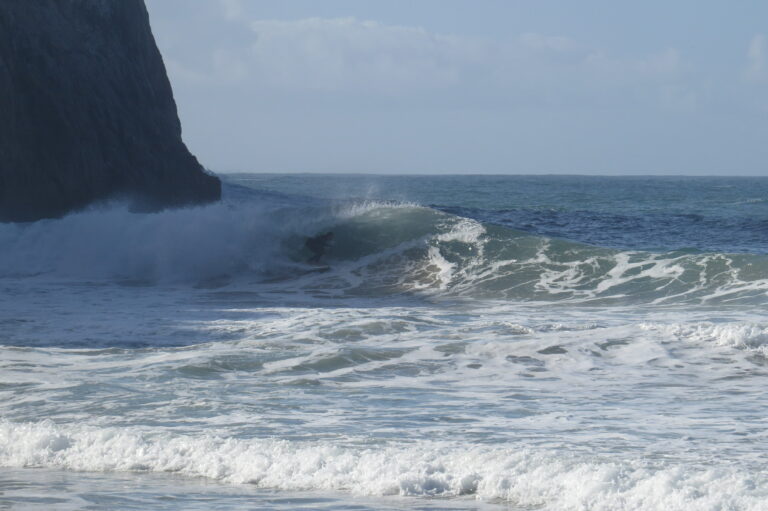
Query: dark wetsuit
[[318, 245]]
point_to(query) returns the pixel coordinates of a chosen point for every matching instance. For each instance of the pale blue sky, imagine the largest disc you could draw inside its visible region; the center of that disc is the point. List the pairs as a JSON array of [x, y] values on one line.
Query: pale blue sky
[[460, 86]]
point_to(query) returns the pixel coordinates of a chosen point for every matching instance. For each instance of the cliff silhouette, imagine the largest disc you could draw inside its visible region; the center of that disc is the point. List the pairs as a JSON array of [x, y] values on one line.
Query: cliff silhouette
[[87, 112]]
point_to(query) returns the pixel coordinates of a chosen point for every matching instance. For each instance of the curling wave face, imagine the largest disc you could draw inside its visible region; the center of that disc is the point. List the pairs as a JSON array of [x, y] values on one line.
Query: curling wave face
[[412, 249]]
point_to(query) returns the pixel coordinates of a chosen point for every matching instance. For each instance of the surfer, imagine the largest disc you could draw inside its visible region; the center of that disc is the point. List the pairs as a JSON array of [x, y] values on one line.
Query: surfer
[[318, 245]]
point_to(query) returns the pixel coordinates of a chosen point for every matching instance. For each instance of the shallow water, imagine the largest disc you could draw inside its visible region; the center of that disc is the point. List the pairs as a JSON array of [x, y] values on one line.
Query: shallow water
[[190, 359]]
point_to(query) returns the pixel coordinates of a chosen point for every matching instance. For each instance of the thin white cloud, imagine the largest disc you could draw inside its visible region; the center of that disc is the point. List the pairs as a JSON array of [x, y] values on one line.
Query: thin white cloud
[[558, 44], [232, 9], [757, 59], [350, 55], [343, 94], [347, 55]]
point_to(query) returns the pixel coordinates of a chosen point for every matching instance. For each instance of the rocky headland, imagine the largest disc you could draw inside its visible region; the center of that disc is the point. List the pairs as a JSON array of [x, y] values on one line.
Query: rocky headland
[[87, 112]]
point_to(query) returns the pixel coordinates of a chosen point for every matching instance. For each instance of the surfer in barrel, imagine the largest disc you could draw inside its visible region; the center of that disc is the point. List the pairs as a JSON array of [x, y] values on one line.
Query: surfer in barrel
[[318, 245]]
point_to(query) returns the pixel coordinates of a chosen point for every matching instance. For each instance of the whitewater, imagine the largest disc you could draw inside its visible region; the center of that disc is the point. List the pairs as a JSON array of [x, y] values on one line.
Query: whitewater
[[470, 342]]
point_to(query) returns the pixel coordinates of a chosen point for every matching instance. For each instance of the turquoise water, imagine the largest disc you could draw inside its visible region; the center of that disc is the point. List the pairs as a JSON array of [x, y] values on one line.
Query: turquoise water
[[487, 342]]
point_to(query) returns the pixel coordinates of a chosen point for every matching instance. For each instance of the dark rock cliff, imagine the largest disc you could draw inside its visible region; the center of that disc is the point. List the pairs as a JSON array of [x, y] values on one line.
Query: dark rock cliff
[[87, 112]]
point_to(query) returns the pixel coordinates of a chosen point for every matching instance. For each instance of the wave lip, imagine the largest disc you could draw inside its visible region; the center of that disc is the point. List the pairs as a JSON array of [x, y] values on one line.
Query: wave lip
[[524, 477]]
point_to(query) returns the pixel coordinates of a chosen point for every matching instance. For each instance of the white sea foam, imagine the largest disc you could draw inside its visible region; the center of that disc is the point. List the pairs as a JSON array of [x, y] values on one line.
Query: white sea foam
[[524, 477], [560, 407], [750, 336]]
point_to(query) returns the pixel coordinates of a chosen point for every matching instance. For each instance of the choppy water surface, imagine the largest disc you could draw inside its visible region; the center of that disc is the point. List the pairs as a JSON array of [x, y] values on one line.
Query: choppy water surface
[[455, 355]]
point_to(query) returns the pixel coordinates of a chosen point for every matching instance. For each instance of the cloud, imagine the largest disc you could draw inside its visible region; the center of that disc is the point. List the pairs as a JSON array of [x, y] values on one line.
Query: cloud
[[346, 54], [368, 58], [232, 9], [756, 73], [757, 59], [346, 94], [555, 44]]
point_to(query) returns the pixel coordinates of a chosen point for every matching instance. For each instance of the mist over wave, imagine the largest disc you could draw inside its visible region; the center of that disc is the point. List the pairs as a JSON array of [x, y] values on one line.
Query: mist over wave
[[239, 235]]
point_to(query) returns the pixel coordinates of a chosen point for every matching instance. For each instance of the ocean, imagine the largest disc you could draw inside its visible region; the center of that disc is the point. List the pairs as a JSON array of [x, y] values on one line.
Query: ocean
[[467, 342]]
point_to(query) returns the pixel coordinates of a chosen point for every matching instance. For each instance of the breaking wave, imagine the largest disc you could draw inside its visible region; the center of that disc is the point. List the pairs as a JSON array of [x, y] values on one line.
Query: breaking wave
[[524, 477], [380, 248]]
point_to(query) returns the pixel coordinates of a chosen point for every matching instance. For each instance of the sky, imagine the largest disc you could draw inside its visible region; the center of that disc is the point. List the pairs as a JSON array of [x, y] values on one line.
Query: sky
[[470, 86]]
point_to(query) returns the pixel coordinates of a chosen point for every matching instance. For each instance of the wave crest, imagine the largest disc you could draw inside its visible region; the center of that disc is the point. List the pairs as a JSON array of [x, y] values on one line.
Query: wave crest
[[524, 477]]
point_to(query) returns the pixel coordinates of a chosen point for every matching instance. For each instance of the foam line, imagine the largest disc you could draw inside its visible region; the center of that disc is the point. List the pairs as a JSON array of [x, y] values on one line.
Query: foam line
[[524, 477]]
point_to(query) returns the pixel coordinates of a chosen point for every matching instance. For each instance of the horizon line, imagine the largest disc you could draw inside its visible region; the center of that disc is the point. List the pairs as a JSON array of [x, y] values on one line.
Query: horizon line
[[521, 174]]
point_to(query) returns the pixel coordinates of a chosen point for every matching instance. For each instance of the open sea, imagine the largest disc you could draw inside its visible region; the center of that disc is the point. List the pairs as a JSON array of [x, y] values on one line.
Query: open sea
[[471, 342]]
